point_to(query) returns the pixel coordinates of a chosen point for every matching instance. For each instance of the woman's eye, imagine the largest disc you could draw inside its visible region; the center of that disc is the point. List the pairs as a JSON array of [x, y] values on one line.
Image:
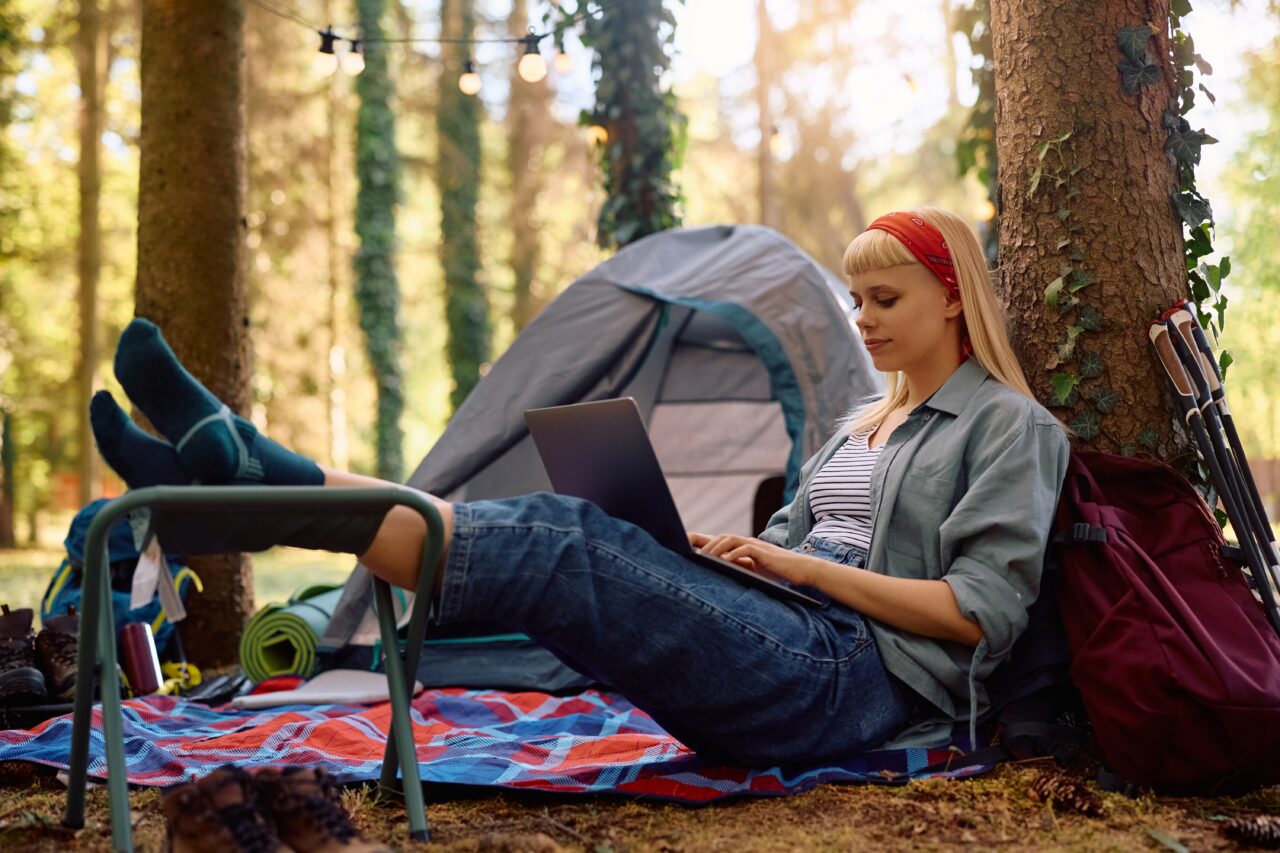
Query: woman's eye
[[886, 303]]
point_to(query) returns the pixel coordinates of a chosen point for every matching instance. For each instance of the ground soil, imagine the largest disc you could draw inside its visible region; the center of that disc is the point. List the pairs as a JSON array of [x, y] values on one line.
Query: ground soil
[[997, 811]]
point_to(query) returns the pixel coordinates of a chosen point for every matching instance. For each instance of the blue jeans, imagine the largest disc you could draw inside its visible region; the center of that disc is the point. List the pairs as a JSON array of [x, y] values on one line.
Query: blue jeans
[[733, 672]]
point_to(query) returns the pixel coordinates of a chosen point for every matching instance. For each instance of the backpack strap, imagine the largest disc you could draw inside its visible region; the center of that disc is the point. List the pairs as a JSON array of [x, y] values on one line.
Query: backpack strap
[[1081, 532]]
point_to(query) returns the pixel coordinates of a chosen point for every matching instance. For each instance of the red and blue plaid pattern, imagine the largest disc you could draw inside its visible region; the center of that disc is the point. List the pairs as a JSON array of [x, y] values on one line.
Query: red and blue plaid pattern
[[590, 743]]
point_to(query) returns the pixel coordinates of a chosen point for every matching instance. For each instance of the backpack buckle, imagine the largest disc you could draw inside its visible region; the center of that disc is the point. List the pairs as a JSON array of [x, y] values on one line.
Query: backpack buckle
[[1082, 532]]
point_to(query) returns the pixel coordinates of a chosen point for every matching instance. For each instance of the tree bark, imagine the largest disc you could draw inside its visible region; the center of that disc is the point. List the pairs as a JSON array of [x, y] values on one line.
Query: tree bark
[[527, 134], [1101, 208], [91, 50], [764, 63], [191, 230], [7, 539]]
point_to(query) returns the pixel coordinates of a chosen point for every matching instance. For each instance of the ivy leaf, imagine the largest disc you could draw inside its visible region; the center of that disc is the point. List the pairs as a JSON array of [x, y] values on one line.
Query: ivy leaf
[[1199, 287], [1063, 242], [1091, 364], [1224, 361], [1077, 255], [1080, 280], [1052, 291], [1181, 8], [1133, 41], [1185, 145], [1089, 318], [1202, 64], [1147, 438], [1035, 182], [1135, 74], [1128, 450], [1105, 399], [1193, 208], [1225, 267], [1207, 93], [1063, 384], [1086, 425]]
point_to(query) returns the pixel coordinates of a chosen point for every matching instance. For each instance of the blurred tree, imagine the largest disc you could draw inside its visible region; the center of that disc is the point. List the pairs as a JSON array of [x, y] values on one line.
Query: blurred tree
[[191, 223], [93, 59], [1091, 243], [10, 48], [377, 288], [458, 167], [527, 139], [1253, 336], [645, 128], [976, 145]]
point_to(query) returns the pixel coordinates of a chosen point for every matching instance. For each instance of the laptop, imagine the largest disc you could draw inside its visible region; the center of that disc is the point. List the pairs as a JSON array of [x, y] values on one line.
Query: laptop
[[601, 452]]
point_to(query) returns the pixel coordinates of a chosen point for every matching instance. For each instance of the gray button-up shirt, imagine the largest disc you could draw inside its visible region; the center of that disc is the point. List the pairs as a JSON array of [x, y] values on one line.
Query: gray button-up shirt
[[964, 492]]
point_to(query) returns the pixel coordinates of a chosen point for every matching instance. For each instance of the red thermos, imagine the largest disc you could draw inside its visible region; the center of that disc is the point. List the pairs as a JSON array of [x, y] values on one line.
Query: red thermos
[[139, 659]]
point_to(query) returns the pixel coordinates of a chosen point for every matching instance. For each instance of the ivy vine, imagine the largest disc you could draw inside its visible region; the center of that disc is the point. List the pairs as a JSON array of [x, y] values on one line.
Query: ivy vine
[[632, 43], [1078, 370], [1137, 69]]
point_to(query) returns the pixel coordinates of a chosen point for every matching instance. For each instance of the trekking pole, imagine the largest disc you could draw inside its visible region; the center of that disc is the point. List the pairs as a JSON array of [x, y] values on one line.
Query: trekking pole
[[1253, 523], [1161, 340], [1196, 338]]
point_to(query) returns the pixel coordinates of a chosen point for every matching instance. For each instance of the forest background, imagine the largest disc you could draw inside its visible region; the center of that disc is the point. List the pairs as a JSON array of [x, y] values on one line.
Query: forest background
[[852, 108]]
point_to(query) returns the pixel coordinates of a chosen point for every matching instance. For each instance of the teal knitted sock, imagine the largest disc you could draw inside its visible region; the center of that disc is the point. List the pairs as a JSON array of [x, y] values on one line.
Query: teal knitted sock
[[212, 443], [138, 458]]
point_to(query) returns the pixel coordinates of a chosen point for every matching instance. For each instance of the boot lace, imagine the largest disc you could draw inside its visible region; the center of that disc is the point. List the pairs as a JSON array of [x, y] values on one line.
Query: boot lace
[[322, 811], [246, 826]]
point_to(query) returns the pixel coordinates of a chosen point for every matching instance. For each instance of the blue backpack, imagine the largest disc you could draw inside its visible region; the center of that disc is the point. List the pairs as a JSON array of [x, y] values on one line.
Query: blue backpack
[[64, 590]]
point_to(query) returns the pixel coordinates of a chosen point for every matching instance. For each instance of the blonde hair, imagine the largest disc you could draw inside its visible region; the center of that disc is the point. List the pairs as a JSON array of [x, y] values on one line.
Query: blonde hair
[[983, 316]]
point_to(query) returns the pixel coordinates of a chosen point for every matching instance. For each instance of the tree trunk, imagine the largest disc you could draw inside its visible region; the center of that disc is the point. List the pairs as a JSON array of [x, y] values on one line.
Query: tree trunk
[[764, 81], [458, 176], [526, 133], [377, 289], [191, 230], [91, 58], [1085, 194], [7, 539]]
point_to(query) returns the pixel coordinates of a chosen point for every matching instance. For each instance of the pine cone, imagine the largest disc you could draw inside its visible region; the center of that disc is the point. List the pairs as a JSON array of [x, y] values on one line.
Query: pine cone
[[1067, 793], [1260, 830]]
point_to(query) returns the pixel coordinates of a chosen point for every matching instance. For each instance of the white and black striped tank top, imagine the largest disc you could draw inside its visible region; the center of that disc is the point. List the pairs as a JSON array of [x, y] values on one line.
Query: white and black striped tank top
[[840, 494]]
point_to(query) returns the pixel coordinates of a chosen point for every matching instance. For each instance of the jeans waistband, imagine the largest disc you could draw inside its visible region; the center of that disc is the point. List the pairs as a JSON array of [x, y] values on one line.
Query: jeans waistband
[[837, 552]]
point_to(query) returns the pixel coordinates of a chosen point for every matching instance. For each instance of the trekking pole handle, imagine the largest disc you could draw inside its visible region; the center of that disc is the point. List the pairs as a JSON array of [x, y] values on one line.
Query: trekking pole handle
[[1159, 335], [1190, 360], [1185, 322]]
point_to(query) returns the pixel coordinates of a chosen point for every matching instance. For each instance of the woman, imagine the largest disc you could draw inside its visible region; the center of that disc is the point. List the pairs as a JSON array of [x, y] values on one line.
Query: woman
[[923, 522]]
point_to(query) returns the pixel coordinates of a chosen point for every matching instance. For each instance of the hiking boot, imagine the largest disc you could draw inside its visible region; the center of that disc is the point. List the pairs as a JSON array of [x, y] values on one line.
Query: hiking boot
[[56, 654], [21, 682], [219, 814], [308, 813]]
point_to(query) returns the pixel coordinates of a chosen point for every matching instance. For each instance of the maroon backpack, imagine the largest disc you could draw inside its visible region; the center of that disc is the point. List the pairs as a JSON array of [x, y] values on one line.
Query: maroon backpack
[[1176, 662]]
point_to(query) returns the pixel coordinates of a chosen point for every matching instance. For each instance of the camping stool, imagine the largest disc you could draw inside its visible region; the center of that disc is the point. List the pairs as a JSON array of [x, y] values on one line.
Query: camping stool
[[98, 636]]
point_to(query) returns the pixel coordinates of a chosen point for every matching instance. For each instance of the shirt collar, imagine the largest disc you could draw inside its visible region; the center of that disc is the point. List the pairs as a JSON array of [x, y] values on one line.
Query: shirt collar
[[956, 392]]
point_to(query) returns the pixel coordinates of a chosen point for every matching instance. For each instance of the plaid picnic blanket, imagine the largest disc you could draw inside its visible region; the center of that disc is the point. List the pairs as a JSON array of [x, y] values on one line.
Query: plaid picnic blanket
[[594, 742]]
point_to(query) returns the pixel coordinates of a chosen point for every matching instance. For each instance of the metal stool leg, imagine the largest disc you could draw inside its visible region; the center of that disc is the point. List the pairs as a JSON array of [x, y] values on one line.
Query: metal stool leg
[[401, 733]]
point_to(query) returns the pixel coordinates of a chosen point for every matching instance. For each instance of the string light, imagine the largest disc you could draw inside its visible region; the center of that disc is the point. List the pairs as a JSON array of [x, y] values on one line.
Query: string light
[[470, 81], [597, 134], [532, 67], [353, 59], [326, 61]]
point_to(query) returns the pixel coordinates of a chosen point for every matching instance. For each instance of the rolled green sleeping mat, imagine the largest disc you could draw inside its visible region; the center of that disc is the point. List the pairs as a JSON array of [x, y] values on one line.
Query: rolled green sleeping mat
[[281, 639]]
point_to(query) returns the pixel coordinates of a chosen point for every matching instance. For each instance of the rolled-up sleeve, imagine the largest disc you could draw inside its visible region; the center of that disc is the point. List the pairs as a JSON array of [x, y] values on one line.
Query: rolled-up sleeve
[[998, 531]]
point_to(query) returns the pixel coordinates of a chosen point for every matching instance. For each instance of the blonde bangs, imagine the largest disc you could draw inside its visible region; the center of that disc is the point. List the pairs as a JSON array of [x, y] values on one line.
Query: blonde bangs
[[875, 250]]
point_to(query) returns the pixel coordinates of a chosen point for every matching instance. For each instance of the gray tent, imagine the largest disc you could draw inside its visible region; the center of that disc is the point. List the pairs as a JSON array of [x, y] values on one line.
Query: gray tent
[[737, 346]]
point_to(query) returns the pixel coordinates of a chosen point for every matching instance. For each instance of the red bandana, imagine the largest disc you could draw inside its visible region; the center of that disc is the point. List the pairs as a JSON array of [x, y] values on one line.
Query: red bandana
[[930, 248]]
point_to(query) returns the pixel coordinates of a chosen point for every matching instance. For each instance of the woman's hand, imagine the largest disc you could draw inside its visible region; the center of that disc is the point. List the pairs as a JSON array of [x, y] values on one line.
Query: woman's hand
[[761, 557]]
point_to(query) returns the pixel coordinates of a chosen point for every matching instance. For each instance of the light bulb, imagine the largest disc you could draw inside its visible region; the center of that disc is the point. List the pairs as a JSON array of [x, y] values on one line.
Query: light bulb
[[597, 134], [532, 67], [470, 81], [353, 59], [326, 61], [563, 63]]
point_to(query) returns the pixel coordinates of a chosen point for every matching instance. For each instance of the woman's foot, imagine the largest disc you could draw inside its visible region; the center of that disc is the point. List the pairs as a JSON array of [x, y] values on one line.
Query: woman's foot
[[214, 445], [138, 458]]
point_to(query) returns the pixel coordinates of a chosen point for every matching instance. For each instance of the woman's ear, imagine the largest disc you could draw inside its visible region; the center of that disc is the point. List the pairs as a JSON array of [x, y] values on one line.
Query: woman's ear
[[953, 307]]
